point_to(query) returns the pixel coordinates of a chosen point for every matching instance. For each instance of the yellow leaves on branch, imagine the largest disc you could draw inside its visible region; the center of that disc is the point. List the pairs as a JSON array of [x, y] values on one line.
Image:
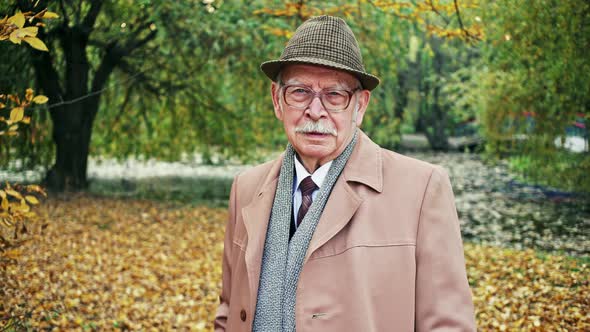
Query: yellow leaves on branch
[[17, 19], [279, 32], [13, 28], [40, 99], [474, 31], [36, 43], [32, 199], [16, 216], [422, 12], [17, 112], [304, 11], [49, 15]]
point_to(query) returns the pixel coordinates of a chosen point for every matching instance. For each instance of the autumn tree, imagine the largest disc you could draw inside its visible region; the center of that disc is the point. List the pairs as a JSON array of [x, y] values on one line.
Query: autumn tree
[[76, 84], [154, 73]]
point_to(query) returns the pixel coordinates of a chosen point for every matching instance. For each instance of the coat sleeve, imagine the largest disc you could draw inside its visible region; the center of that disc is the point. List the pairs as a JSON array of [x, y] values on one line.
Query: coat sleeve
[[443, 297], [223, 308]]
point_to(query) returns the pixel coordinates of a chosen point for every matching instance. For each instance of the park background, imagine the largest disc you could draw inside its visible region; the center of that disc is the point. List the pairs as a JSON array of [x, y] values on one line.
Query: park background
[[122, 124]]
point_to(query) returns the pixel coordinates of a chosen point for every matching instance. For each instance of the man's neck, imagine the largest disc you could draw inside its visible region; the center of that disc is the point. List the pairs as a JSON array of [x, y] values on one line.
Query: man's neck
[[311, 165]]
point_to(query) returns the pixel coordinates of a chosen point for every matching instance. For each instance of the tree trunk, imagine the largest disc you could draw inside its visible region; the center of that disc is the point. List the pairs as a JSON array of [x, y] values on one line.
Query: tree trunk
[[71, 134], [75, 101], [73, 112]]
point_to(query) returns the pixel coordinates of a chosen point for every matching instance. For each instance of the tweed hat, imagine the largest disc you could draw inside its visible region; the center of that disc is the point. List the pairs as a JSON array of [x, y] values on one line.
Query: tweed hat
[[325, 41]]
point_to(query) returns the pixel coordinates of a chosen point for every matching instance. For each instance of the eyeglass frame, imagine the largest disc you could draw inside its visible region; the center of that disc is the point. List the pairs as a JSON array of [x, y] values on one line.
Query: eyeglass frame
[[319, 94]]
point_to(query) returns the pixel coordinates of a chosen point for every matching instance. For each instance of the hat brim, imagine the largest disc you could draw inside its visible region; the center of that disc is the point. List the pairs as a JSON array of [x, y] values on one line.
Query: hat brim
[[272, 68]]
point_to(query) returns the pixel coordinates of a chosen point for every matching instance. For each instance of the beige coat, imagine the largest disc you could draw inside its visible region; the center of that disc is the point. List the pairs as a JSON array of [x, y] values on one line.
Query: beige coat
[[385, 256]]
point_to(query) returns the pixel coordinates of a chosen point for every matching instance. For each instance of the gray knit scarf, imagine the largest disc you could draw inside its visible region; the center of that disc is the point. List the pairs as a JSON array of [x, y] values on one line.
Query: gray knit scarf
[[282, 259]]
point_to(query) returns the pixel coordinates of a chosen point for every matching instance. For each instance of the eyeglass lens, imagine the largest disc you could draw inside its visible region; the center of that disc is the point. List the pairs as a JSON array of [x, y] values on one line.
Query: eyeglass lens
[[301, 97]]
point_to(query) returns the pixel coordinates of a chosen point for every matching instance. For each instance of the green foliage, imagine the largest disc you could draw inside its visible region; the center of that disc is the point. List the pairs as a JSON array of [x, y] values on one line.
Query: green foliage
[[197, 86], [214, 95], [536, 82]]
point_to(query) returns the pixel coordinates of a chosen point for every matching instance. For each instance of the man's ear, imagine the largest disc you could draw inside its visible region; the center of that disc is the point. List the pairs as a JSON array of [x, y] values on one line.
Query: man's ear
[[275, 91], [363, 102]]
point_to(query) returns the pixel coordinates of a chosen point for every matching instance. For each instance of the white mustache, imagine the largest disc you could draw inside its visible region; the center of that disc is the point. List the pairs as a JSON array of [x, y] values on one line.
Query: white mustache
[[316, 127]]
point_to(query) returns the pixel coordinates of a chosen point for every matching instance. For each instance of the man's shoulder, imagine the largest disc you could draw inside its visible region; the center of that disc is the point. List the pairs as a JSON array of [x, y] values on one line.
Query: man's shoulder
[[259, 171], [408, 166], [405, 160], [251, 179], [378, 167]]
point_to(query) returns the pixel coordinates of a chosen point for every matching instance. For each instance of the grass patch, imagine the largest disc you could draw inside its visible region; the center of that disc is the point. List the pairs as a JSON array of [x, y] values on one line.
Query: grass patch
[[212, 191], [563, 170]]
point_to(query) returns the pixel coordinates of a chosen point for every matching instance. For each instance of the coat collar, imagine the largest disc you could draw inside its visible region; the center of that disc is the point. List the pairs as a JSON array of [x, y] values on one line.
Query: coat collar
[[365, 164]]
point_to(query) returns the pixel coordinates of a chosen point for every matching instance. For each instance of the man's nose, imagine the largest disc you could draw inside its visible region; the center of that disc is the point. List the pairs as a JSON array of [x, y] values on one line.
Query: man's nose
[[316, 110]]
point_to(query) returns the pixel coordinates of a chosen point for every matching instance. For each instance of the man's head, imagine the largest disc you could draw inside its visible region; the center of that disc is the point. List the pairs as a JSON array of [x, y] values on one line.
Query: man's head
[[320, 109], [320, 89]]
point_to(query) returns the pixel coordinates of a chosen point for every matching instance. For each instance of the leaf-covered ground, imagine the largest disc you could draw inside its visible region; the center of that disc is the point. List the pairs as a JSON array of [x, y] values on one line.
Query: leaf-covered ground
[[105, 264]]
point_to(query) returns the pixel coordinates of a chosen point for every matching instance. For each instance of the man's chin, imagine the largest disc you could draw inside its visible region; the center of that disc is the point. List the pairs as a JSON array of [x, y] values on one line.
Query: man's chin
[[314, 151]]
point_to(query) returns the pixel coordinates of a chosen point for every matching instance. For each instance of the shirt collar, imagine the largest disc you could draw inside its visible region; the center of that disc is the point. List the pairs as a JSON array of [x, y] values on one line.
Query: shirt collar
[[318, 176]]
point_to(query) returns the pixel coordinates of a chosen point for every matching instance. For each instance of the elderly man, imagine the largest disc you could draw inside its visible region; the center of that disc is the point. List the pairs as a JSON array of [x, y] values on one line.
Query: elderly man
[[338, 234]]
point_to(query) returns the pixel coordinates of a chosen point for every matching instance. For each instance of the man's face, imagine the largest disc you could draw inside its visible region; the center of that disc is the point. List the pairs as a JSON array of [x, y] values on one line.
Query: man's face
[[303, 126]]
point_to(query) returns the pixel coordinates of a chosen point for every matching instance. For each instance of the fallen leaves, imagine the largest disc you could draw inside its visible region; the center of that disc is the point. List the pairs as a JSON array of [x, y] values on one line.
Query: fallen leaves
[[109, 264], [106, 264], [526, 290]]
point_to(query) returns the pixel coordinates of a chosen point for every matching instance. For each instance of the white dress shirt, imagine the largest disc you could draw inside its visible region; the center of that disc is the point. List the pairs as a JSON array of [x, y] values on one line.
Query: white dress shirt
[[301, 173]]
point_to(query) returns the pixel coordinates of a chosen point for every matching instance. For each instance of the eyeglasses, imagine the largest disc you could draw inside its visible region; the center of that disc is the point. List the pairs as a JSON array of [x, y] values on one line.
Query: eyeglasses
[[333, 100]]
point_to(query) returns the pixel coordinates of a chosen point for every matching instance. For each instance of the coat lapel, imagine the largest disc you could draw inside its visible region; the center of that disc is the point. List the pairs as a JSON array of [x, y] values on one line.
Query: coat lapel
[[256, 216], [339, 209], [365, 167]]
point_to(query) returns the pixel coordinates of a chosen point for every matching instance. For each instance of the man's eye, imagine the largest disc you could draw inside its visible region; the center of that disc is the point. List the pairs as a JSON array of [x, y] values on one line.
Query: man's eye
[[300, 91], [335, 93]]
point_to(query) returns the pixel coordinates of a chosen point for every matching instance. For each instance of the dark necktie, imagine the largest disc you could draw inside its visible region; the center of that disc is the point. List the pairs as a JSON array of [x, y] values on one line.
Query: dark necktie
[[307, 187]]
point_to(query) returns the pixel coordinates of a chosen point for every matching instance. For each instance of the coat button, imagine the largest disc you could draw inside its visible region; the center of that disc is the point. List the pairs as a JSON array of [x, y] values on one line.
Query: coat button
[[243, 315]]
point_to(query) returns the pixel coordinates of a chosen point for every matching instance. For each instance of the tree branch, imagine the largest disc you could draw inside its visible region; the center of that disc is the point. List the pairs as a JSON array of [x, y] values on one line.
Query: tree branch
[[91, 16], [47, 75], [141, 77], [113, 57], [124, 105], [459, 15], [301, 3], [62, 6], [447, 21], [137, 43], [465, 31]]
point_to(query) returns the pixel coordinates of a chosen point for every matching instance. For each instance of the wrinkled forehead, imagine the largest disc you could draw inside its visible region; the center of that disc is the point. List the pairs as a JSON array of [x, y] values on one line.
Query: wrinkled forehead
[[318, 77]]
